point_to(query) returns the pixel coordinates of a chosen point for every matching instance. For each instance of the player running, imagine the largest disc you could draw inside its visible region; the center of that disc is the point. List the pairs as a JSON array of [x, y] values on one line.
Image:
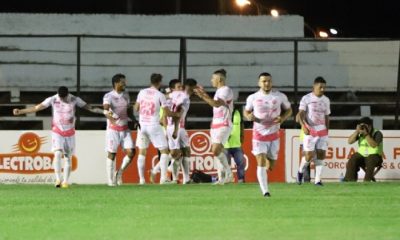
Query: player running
[[314, 113], [63, 128], [264, 108]]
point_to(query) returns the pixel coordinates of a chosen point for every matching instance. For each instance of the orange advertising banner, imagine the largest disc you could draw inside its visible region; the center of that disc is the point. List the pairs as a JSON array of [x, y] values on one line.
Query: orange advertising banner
[[202, 158]]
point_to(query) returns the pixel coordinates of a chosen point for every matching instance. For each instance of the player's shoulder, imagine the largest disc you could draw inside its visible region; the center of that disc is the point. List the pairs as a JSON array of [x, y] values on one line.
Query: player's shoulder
[[109, 94]]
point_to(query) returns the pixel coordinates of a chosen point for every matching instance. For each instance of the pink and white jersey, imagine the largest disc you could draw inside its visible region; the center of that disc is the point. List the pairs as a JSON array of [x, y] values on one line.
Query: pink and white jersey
[[222, 115], [182, 100], [119, 104], [150, 101], [316, 109], [266, 107], [63, 121]]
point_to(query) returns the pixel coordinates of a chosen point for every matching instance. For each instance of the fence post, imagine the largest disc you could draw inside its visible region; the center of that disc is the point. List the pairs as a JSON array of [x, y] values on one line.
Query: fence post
[[78, 77], [396, 116], [182, 60], [296, 80]]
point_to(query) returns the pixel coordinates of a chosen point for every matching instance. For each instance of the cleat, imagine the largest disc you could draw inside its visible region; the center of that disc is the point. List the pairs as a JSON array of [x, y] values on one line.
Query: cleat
[[142, 182], [64, 185], [319, 184], [267, 195], [57, 184], [166, 182], [299, 178], [219, 182], [118, 178], [110, 184], [240, 181]]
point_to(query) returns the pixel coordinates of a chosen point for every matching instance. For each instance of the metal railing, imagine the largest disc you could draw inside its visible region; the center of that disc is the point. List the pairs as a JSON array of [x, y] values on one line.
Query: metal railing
[[182, 69]]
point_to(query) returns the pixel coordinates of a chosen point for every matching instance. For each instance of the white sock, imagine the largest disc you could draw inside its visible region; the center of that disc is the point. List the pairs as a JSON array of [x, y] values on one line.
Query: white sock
[[176, 164], [220, 171], [57, 164], [225, 164], [67, 169], [318, 169], [170, 165], [262, 179], [140, 166], [163, 166], [156, 169], [125, 162], [186, 169], [303, 164], [110, 166]]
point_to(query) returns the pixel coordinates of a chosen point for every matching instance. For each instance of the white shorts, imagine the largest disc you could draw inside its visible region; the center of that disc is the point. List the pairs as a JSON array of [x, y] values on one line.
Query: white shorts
[[271, 148], [220, 135], [66, 144], [181, 141], [311, 143], [153, 133], [114, 139]]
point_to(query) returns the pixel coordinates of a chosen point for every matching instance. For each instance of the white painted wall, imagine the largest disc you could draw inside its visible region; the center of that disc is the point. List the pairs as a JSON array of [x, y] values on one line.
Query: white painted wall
[[38, 63]]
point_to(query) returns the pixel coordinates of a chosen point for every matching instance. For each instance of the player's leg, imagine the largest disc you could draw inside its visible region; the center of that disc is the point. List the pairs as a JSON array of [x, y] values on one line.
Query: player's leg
[[159, 141], [186, 164], [57, 148], [69, 149], [142, 142], [321, 146], [309, 151], [218, 137], [128, 146], [175, 152], [112, 142]]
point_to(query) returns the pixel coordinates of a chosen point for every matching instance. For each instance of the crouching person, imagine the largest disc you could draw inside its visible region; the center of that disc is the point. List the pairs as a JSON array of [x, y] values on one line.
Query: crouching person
[[369, 154]]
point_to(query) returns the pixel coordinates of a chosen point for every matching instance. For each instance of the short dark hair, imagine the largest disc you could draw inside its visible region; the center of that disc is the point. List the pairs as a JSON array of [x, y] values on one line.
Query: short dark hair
[[155, 78], [117, 78], [366, 120], [172, 83], [319, 79], [221, 72], [190, 82], [264, 74], [62, 92]]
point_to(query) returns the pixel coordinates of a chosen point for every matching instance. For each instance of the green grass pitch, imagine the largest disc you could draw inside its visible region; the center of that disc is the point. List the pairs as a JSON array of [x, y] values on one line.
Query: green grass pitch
[[336, 211]]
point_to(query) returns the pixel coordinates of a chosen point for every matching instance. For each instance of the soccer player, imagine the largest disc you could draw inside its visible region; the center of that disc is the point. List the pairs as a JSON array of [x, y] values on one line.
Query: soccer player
[[178, 139], [116, 104], [63, 128], [314, 113], [148, 103], [221, 124], [264, 108]]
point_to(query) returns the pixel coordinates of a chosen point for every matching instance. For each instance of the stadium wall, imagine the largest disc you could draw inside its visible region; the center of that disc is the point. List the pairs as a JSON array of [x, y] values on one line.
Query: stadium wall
[[32, 63], [25, 157]]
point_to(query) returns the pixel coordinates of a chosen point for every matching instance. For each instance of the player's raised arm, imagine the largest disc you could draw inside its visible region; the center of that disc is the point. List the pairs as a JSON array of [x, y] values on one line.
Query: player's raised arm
[[205, 97], [37, 108]]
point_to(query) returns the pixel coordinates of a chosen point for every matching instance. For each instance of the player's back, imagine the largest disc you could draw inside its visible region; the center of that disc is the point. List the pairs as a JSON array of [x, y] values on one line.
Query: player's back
[[150, 101]]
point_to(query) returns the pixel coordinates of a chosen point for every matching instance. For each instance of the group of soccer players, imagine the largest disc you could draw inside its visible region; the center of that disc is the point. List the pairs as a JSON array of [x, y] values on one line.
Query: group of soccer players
[[267, 109]]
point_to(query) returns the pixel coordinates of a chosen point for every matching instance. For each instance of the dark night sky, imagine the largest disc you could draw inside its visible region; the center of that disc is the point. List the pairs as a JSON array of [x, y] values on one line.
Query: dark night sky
[[353, 18]]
